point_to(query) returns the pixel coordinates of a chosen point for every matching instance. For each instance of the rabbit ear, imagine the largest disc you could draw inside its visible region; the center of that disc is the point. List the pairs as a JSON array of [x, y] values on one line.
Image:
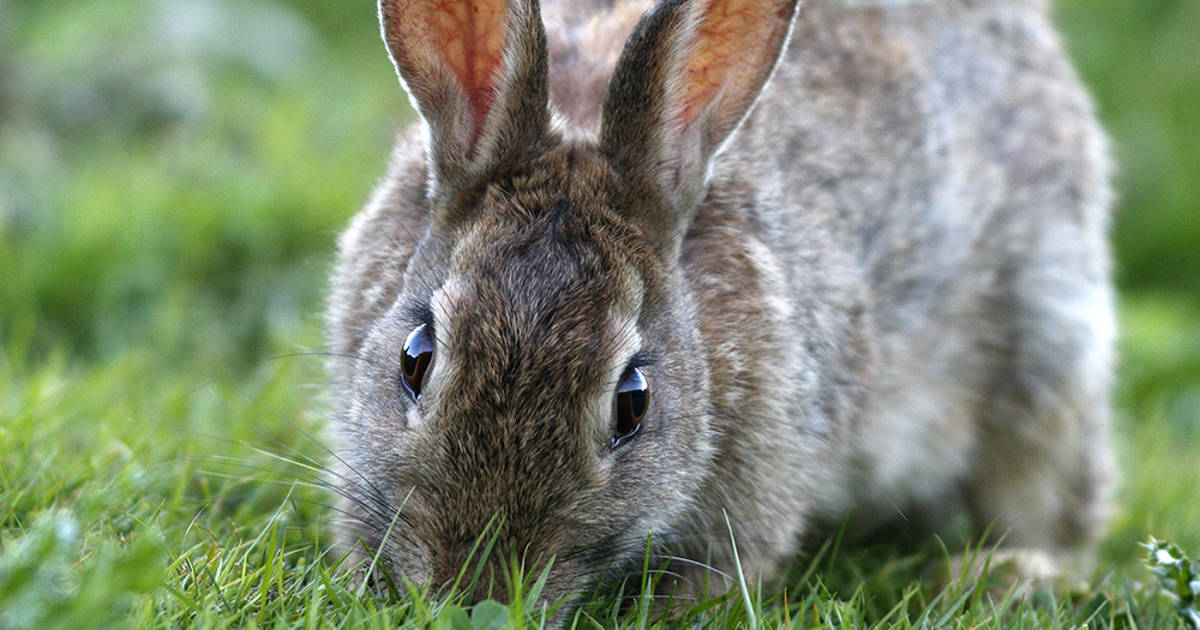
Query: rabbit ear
[[689, 74], [476, 71]]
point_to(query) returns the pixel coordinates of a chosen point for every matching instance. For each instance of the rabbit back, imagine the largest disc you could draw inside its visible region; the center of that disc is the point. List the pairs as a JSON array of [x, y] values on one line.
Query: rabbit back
[[921, 200]]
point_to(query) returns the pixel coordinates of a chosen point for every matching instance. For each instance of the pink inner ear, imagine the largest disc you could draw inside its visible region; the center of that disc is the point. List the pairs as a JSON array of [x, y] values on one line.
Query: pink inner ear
[[468, 36], [732, 53]]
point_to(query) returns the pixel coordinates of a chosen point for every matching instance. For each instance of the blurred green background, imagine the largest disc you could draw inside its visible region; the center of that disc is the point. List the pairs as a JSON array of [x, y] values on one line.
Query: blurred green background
[[173, 174]]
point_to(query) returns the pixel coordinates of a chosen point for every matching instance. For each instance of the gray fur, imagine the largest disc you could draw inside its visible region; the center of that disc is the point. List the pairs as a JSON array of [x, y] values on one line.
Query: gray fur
[[894, 297]]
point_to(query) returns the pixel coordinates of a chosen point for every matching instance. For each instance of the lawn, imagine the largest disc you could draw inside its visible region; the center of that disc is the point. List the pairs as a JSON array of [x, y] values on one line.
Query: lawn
[[172, 179]]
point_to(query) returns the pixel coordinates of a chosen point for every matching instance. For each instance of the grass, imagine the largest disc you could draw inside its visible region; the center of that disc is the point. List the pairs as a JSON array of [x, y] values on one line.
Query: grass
[[169, 195], [137, 494]]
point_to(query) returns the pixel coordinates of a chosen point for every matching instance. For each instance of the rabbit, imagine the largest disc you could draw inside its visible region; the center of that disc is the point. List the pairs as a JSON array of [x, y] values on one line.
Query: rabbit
[[762, 266]]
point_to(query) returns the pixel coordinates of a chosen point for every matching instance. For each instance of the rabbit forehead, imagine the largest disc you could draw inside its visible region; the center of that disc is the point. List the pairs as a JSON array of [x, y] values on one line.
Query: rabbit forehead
[[557, 223], [536, 312], [537, 302]]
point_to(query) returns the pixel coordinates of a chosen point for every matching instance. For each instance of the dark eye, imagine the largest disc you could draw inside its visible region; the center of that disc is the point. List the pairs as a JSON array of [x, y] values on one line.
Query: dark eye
[[633, 399], [418, 352]]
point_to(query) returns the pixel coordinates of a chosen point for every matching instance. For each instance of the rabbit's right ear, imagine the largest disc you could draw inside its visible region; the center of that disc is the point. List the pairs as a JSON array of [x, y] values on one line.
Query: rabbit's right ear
[[476, 71], [689, 75]]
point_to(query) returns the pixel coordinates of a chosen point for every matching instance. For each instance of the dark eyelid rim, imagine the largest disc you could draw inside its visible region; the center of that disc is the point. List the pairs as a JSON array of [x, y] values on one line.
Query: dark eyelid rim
[[419, 312], [641, 358]]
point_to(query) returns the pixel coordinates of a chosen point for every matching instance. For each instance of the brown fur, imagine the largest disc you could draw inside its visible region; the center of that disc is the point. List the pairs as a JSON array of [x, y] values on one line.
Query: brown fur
[[888, 290]]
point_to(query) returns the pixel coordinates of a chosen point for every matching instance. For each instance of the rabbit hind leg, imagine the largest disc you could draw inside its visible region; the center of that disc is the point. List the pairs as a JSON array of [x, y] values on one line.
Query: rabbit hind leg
[[1042, 468]]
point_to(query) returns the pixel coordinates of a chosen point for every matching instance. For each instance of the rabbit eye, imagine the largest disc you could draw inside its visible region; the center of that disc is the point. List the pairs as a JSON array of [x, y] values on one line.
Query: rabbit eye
[[418, 352], [633, 399]]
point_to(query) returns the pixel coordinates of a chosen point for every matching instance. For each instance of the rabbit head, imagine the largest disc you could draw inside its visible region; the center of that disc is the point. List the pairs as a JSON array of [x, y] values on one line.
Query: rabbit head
[[525, 364]]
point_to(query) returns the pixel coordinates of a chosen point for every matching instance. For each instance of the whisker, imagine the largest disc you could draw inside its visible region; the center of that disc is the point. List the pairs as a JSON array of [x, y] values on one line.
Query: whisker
[[317, 483], [322, 469], [323, 353], [697, 563], [297, 463], [317, 442]]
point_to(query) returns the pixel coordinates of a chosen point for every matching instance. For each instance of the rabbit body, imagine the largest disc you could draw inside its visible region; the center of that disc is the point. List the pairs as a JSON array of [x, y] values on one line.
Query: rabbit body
[[885, 291]]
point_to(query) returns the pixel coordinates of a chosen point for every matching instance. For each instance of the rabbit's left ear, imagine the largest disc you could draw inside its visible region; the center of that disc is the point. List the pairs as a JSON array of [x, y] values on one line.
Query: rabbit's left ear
[[689, 74], [476, 71]]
